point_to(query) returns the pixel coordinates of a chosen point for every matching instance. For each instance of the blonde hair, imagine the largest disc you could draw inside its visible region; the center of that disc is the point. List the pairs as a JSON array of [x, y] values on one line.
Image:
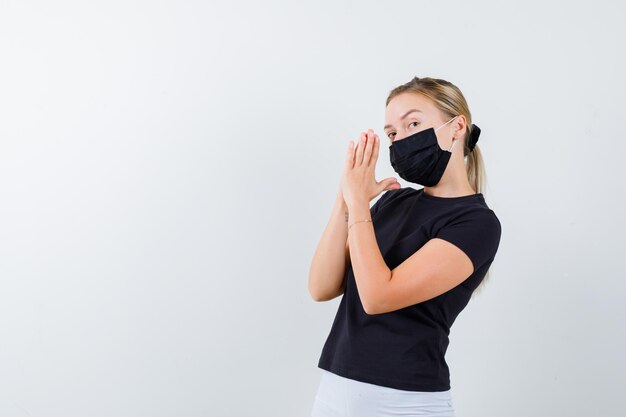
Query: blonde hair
[[450, 101]]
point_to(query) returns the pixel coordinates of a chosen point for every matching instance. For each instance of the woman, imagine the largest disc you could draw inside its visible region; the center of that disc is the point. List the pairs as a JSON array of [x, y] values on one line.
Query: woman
[[407, 266]]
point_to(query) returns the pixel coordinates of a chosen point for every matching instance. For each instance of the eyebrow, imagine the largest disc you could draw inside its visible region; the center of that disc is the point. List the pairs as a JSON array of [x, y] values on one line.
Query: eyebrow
[[405, 115]]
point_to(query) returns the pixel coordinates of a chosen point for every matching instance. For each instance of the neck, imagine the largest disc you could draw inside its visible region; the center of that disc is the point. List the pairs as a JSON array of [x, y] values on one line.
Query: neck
[[453, 183]]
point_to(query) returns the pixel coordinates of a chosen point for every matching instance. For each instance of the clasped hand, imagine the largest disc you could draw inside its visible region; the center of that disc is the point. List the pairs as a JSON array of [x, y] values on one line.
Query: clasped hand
[[358, 181]]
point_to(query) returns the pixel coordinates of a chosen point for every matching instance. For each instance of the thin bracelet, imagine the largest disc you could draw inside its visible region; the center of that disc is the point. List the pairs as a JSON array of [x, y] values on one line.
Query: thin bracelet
[[358, 221]]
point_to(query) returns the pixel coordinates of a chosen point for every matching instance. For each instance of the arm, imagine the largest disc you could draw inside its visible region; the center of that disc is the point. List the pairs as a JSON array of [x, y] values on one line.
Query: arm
[[371, 273], [434, 269], [331, 257], [443, 263]]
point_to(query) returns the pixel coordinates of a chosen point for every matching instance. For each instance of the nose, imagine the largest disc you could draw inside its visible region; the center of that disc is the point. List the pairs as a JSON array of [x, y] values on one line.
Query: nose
[[398, 137]]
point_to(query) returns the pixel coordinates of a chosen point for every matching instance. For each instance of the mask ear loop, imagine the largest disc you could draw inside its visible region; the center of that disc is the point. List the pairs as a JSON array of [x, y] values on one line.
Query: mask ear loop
[[454, 141], [446, 122]]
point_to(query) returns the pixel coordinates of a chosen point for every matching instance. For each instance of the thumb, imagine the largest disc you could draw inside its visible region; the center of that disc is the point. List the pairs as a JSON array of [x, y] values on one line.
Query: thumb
[[389, 184]]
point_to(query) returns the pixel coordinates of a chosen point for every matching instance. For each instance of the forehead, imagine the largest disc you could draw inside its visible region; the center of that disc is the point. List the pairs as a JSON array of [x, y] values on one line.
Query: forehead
[[400, 104]]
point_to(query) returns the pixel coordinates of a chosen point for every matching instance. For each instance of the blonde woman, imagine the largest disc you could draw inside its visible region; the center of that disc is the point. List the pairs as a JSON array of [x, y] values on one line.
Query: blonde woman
[[407, 266]]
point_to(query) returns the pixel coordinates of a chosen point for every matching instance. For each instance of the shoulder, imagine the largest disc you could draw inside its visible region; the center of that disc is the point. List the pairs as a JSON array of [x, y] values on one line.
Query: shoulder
[[475, 218], [480, 215], [474, 228], [389, 197], [400, 193]]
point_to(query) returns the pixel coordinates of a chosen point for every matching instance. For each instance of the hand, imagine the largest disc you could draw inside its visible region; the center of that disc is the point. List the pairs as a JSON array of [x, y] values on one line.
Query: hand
[[358, 182]]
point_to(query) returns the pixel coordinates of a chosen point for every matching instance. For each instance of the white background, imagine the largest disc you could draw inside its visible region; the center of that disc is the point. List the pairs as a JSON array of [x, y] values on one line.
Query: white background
[[167, 168]]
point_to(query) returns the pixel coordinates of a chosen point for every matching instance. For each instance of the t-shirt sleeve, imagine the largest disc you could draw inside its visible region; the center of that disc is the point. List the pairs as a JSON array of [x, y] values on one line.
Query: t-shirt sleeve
[[477, 233]]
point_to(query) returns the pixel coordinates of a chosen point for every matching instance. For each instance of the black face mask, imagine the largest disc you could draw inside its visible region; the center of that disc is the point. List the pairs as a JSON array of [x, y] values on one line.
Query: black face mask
[[418, 157]]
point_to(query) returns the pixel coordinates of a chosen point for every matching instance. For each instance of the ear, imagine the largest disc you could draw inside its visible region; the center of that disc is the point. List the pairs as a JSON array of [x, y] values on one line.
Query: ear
[[460, 126]]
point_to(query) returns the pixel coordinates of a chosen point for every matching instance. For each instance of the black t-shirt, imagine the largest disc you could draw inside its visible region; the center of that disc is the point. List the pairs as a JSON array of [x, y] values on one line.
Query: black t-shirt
[[405, 349]]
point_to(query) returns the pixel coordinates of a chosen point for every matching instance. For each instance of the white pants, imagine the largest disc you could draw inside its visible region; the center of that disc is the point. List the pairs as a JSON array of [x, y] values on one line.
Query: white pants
[[338, 396]]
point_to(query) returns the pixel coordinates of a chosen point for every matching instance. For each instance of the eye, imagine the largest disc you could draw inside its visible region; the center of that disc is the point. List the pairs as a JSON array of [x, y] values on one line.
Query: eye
[[389, 135], [413, 122]]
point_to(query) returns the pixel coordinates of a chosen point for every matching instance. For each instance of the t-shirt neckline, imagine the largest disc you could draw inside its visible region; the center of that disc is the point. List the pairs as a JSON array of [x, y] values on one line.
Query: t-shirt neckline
[[423, 195]]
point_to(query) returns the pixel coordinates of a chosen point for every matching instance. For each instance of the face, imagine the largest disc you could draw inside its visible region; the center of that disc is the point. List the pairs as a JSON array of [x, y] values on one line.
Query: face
[[401, 122]]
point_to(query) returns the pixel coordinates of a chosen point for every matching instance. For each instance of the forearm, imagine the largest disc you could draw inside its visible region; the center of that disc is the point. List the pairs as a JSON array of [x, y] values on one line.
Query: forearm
[[371, 272], [329, 261]]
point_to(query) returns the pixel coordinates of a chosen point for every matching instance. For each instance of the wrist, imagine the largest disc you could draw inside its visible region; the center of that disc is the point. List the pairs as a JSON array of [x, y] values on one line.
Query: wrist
[[358, 205], [359, 211], [357, 222], [340, 202]]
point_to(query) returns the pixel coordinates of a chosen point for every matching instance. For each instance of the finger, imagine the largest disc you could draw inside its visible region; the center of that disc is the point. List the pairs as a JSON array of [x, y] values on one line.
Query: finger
[[389, 184], [358, 160], [376, 150], [369, 146], [350, 155]]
